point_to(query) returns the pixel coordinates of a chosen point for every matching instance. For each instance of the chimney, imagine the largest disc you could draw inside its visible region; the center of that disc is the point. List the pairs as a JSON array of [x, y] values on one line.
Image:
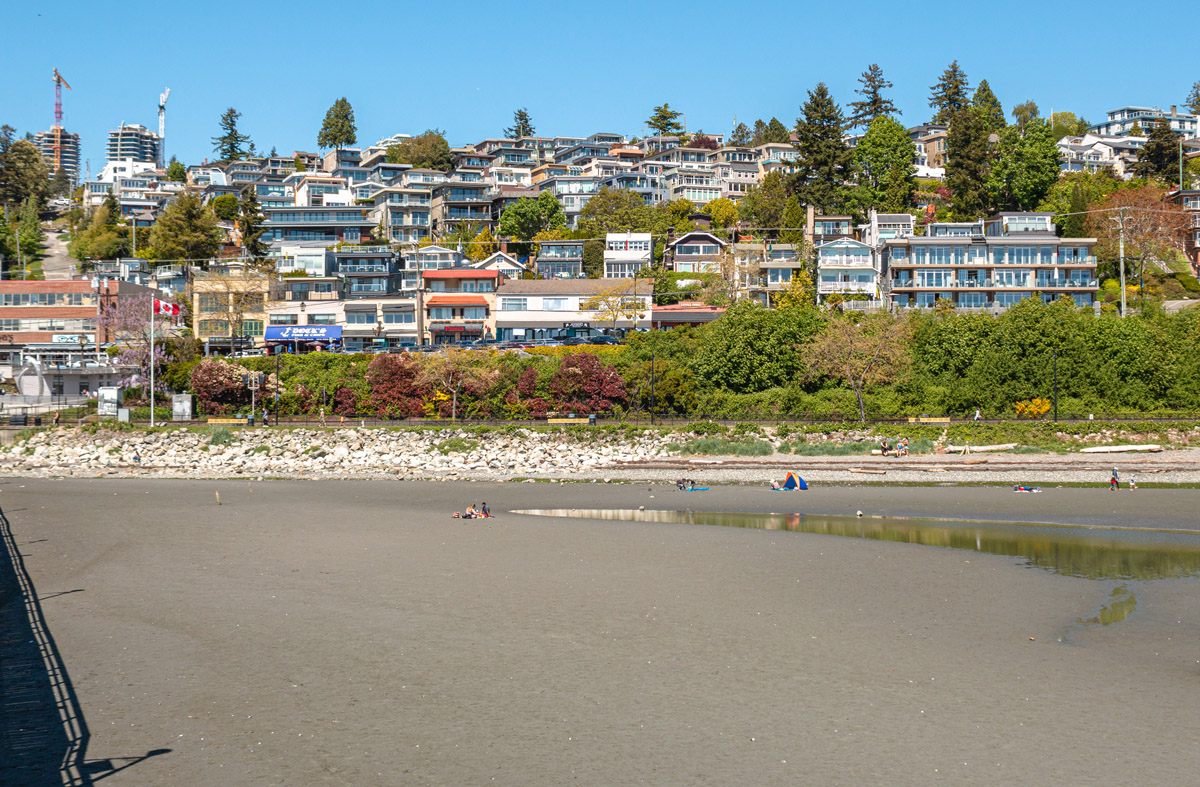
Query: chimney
[[504, 245], [1173, 110]]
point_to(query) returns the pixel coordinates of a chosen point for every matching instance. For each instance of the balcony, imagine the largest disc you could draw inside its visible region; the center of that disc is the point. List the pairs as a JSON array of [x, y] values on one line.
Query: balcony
[[365, 250], [366, 267], [828, 287], [845, 261]]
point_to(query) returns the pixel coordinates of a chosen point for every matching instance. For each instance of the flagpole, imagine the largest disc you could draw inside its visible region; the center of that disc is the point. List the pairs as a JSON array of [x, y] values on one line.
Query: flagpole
[[153, 309]]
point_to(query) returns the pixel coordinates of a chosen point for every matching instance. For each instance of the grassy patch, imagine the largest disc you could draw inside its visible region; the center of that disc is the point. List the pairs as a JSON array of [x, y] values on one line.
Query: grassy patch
[[828, 449], [715, 446], [456, 445], [260, 449]]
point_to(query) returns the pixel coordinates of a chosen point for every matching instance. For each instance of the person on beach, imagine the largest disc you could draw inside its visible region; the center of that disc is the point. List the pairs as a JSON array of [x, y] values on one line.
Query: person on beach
[[484, 511], [902, 447], [470, 512], [978, 415], [1132, 484], [322, 415], [883, 446], [56, 415], [1114, 483], [775, 485]]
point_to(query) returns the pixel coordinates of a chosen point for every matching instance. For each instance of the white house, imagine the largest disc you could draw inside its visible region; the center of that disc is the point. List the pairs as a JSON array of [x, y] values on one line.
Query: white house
[[508, 266], [847, 267], [626, 253], [532, 309]]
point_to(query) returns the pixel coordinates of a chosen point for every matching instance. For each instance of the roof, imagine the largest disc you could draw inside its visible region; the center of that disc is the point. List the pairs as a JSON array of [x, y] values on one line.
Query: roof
[[457, 300], [572, 286], [460, 273]]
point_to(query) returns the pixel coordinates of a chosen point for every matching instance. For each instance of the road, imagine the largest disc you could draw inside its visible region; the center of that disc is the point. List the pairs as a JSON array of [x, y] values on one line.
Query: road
[[57, 265], [1172, 307]]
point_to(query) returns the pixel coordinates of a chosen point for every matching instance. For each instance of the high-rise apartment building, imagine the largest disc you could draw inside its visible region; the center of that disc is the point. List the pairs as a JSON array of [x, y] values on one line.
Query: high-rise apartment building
[[68, 152], [133, 142]]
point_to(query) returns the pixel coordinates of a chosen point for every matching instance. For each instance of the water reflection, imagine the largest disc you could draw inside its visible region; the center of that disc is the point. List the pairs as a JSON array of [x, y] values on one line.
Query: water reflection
[[1075, 552]]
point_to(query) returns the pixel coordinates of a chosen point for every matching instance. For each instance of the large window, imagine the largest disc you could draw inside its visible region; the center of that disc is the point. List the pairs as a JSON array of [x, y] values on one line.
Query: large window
[[322, 319], [474, 313], [48, 299], [514, 304], [554, 304], [360, 318], [441, 313], [399, 318], [285, 319]]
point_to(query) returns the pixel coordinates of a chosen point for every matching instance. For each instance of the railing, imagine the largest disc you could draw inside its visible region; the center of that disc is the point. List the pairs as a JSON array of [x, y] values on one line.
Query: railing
[[845, 262], [845, 286], [365, 268], [1025, 284]]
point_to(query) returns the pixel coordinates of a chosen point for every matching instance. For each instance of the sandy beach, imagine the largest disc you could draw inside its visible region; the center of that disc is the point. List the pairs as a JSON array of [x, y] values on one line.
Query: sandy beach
[[353, 633]]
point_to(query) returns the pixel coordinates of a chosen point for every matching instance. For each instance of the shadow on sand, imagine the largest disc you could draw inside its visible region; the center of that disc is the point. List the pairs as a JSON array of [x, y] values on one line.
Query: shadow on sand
[[43, 734]]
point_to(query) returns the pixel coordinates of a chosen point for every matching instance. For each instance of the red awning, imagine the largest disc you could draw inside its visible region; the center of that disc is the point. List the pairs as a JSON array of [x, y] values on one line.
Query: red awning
[[461, 273]]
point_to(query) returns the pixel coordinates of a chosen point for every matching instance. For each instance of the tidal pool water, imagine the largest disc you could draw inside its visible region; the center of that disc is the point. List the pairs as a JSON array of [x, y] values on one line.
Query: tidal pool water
[[1088, 552]]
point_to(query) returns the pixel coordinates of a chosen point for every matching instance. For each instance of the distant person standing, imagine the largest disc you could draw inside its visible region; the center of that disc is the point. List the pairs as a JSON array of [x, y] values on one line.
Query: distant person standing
[[978, 415], [1132, 484], [56, 416], [1114, 483], [322, 415]]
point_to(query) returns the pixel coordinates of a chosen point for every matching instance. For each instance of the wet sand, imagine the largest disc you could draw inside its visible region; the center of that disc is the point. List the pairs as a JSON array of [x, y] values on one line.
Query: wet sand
[[353, 633]]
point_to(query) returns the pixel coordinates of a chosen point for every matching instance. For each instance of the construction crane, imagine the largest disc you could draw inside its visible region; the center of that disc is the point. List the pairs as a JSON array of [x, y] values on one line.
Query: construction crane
[[59, 82], [162, 126]]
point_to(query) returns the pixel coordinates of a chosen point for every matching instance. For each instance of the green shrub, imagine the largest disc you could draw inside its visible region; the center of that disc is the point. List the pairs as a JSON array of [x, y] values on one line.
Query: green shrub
[[828, 449], [456, 445], [706, 428], [713, 446], [219, 435], [745, 429]]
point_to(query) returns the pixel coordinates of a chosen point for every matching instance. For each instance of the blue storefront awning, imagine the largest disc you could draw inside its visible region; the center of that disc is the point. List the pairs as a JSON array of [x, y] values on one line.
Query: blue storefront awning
[[303, 333]]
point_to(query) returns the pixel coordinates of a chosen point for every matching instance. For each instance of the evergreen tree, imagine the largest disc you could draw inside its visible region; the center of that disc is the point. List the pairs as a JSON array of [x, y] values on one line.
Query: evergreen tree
[[967, 164], [884, 150], [949, 95], [874, 104], [249, 223], [186, 230], [763, 205], [230, 145], [60, 185], [338, 131], [665, 121], [1136, 131], [897, 193], [1073, 224], [777, 132], [23, 174], [794, 219], [825, 159], [1193, 99], [112, 209], [522, 125], [300, 166], [1026, 166], [1025, 113], [740, 136], [1159, 157], [760, 133], [986, 103]]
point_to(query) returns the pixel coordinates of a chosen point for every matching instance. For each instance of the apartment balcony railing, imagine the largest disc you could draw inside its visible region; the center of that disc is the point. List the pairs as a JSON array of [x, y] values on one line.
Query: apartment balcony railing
[[310, 296], [367, 267], [986, 262], [844, 261], [826, 287], [1023, 284]]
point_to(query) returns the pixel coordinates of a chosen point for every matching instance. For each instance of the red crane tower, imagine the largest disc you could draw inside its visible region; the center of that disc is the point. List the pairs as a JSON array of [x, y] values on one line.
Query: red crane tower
[[58, 126]]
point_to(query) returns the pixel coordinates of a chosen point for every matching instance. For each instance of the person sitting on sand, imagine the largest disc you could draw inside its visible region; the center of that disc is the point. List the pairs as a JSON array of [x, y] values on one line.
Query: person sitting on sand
[[470, 512], [484, 511], [902, 447], [883, 446], [775, 485]]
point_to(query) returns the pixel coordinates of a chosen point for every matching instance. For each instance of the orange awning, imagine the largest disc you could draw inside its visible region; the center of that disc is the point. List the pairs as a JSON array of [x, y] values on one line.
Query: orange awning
[[457, 300]]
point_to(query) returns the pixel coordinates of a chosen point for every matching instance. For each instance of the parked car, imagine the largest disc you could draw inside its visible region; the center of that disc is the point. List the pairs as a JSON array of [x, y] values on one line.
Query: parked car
[[604, 340]]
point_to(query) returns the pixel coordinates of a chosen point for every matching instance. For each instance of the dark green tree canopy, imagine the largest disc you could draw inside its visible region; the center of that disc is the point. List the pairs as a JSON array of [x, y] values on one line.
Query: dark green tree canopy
[[884, 158], [665, 121], [249, 223], [967, 163], [763, 205], [176, 171], [986, 103], [1193, 99], [1026, 166], [230, 144], [428, 150], [613, 210], [825, 163], [23, 174], [740, 137], [225, 206], [874, 103], [338, 131], [522, 125], [1159, 157], [186, 230], [950, 94], [528, 216]]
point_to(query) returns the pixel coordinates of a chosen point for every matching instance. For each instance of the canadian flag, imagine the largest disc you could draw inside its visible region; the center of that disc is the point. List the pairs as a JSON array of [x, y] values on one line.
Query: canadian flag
[[162, 307]]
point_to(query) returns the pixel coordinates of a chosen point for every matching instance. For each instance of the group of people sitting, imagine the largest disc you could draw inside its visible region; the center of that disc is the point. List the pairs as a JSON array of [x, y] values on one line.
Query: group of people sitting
[[901, 448], [685, 484], [483, 512]]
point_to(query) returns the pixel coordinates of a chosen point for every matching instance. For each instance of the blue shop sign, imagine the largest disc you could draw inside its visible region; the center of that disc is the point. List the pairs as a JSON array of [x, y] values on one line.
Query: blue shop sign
[[303, 333]]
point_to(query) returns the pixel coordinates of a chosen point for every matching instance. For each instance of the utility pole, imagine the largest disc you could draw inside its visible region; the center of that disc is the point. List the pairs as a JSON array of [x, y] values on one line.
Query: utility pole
[[1121, 253], [1054, 353]]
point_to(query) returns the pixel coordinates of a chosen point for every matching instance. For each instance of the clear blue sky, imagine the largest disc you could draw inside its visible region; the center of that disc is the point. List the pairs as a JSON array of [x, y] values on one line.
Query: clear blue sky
[[579, 67]]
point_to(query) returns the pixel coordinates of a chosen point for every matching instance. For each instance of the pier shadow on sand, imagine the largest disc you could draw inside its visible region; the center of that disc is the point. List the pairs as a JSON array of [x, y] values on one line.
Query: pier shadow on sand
[[43, 733]]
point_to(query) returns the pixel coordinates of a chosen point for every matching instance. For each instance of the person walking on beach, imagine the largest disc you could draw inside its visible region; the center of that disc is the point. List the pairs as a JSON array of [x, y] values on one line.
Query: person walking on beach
[[56, 415], [322, 415], [1132, 484], [1114, 483]]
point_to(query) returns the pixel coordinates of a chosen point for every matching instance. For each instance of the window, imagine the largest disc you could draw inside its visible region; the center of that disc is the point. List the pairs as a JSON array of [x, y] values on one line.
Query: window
[[399, 318], [360, 318], [212, 303], [514, 304], [554, 304], [322, 319], [285, 319], [474, 313]]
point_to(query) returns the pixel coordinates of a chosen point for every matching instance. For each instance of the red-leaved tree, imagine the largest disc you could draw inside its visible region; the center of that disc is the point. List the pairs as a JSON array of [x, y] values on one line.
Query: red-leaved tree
[[219, 385], [583, 383], [394, 390]]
